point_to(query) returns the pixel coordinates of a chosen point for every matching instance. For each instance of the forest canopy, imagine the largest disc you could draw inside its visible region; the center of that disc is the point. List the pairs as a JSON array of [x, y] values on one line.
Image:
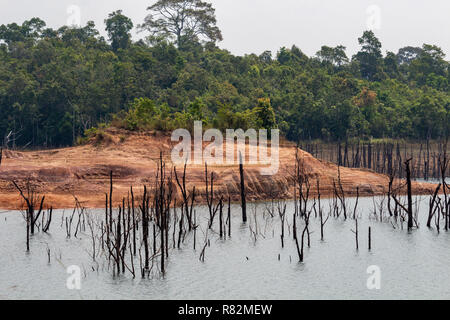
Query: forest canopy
[[56, 84]]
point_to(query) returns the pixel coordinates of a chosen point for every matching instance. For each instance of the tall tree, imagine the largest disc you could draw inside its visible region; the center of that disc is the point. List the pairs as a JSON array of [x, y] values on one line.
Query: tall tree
[[391, 64], [118, 27], [33, 27], [30, 29], [335, 56], [182, 20], [265, 114], [429, 67], [431, 60], [407, 54], [370, 55]]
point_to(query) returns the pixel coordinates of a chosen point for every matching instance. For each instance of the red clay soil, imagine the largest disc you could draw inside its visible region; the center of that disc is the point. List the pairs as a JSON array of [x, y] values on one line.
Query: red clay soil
[[83, 171]]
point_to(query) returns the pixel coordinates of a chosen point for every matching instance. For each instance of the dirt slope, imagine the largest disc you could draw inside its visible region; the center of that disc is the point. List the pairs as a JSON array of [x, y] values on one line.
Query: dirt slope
[[83, 172]]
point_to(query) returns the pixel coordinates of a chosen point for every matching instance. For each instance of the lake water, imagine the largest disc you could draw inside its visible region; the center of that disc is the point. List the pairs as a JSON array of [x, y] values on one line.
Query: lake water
[[413, 265]]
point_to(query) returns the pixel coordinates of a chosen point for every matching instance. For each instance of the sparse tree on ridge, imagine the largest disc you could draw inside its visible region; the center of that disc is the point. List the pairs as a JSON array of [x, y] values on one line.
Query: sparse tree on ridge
[[335, 56], [370, 55], [182, 20], [118, 27]]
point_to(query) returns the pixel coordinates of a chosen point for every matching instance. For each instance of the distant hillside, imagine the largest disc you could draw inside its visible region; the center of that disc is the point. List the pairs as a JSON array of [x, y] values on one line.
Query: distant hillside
[[55, 84]]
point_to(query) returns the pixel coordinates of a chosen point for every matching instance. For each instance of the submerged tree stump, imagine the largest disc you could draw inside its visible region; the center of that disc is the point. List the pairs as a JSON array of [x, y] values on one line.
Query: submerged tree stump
[[243, 202]]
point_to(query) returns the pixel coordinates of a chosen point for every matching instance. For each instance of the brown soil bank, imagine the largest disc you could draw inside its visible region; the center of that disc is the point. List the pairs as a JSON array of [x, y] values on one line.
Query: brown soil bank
[[83, 172]]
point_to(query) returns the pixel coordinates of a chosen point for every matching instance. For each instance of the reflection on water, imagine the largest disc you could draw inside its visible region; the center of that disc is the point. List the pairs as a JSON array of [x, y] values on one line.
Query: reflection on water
[[413, 265]]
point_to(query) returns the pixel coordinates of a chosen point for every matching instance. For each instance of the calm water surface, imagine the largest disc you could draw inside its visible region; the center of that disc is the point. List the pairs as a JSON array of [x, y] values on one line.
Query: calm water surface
[[413, 265]]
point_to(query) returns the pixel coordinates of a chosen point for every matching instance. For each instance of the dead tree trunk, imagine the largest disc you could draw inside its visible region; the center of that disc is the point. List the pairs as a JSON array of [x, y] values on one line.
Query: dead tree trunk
[[221, 218], [144, 212], [134, 221], [209, 190], [356, 234], [162, 204], [410, 204], [356, 204], [320, 210], [229, 216], [106, 219], [305, 230], [182, 186], [389, 195], [31, 199], [294, 231], [46, 227], [445, 187], [340, 194], [282, 214], [243, 202], [432, 206], [110, 198]]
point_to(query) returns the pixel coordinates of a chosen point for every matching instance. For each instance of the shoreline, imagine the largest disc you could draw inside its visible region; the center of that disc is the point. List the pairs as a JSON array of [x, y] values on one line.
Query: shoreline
[[83, 171]]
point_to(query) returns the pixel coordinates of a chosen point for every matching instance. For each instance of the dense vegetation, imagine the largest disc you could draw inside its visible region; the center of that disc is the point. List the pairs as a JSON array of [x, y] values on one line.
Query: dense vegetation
[[56, 84]]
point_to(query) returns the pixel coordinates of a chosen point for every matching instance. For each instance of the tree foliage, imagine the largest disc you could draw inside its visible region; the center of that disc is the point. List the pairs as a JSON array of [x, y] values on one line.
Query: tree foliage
[[183, 21], [118, 27], [56, 84]]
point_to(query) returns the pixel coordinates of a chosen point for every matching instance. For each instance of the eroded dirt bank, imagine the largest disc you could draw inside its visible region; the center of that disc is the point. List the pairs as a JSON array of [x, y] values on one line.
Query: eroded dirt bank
[[83, 172]]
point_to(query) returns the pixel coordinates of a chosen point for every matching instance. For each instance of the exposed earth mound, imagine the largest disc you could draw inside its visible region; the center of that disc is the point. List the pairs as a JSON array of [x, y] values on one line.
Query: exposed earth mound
[[83, 172]]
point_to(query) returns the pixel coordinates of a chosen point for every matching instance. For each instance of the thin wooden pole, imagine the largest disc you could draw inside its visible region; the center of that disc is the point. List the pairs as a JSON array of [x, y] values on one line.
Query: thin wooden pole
[[243, 202]]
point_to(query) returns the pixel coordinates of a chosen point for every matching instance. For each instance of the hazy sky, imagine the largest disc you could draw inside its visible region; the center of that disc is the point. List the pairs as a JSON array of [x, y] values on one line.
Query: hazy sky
[[252, 26]]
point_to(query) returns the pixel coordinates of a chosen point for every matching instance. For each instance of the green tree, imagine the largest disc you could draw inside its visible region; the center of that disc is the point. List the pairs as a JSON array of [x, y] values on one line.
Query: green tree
[[430, 61], [369, 57], [391, 65], [29, 30], [265, 115], [118, 27], [429, 116], [335, 56], [182, 20], [407, 54]]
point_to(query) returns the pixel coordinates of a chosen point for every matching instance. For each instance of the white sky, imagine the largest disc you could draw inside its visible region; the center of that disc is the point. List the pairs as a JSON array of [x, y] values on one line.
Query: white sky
[[252, 26]]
